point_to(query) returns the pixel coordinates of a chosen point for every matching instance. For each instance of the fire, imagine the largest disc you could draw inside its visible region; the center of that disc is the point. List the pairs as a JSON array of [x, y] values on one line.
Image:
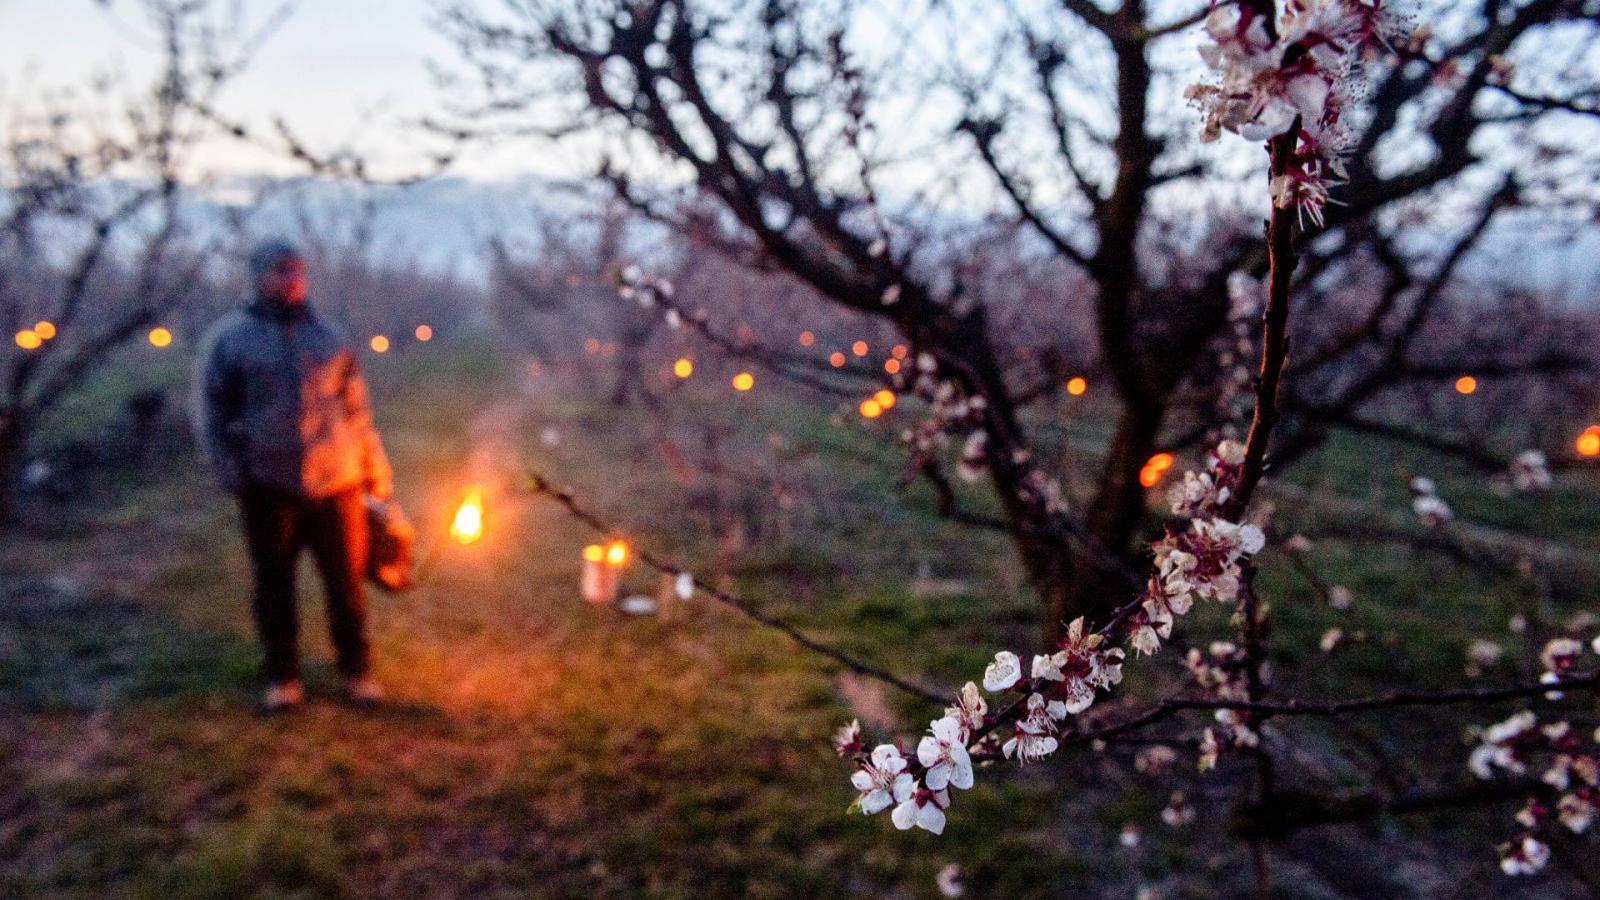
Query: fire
[[160, 337], [467, 526], [1466, 384], [1077, 385], [617, 552], [1589, 442]]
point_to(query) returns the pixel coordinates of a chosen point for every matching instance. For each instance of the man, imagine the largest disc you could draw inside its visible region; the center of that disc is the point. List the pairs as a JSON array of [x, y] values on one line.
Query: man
[[284, 417]]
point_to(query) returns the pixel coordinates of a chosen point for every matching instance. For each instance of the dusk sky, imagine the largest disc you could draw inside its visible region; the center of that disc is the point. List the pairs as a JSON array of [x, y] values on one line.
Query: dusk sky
[[340, 71]]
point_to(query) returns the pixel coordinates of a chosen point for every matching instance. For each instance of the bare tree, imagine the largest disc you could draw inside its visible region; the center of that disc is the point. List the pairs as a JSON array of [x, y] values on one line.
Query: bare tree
[[1072, 116]]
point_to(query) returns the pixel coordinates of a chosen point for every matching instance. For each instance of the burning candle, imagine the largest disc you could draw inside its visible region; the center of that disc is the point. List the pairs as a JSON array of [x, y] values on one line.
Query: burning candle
[[467, 526], [602, 571]]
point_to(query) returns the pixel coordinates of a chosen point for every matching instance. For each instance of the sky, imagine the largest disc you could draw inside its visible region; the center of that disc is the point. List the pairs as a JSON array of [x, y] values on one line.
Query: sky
[[337, 70]]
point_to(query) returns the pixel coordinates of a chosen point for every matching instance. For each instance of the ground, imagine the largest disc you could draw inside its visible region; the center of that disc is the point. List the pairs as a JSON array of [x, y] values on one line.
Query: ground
[[538, 746]]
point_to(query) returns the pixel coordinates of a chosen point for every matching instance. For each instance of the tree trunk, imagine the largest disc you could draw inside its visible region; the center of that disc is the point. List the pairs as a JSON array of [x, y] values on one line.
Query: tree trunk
[[13, 448]]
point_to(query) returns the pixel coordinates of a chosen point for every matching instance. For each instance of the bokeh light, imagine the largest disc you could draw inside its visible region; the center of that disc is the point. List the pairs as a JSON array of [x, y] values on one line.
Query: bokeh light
[[424, 333], [28, 339], [683, 368], [379, 344], [885, 398], [871, 409], [744, 381], [45, 329], [807, 339], [1466, 384], [617, 553], [160, 337], [859, 348], [1588, 443], [1077, 385], [836, 359]]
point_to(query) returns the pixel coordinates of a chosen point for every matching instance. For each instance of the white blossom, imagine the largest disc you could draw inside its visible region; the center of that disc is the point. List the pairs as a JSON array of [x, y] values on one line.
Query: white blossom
[[882, 780], [944, 753], [1003, 673]]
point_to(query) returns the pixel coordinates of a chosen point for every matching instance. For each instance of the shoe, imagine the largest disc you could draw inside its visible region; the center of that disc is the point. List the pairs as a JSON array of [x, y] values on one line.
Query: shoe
[[283, 695], [363, 690]]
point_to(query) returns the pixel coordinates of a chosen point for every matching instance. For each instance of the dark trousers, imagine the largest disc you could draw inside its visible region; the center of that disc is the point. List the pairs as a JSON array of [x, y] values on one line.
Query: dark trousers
[[277, 525]]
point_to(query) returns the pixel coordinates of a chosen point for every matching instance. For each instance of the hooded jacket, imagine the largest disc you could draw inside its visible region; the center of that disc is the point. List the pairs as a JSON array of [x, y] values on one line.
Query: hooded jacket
[[281, 404]]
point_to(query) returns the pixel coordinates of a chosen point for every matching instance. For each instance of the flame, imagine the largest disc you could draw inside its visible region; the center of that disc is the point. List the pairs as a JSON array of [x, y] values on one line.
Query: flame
[[467, 526], [617, 552]]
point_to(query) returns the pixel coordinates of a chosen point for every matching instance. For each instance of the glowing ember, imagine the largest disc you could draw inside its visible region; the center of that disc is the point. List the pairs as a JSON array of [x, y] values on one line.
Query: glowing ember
[[617, 552], [28, 339], [1589, 442], [1466, 384], [683, 368], [467, 526], [744, 381], [379, 344], [424, 333], [159, 337], [870, 409], [1076, 386], [45, 329]]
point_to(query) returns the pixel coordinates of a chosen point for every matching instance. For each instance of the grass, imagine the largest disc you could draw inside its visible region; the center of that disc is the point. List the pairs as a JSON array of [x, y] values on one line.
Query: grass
[[538, 746]]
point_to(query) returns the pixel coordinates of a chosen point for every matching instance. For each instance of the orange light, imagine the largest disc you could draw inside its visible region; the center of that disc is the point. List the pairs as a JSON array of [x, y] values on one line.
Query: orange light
[[859, 348], [807, 339], [28, 339], [467, 526], [379, 343], [160, 337], [424, 333], [744, 381], [836, 359], [1589, 441], [1160, 462], [594, 553], [899, 351], [1466, 384], [45, 329], [617, 553], [1076, 386], [892, 366], [683, 368], [1149, 477], [591, 345], [885, 398], [871, 409]]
